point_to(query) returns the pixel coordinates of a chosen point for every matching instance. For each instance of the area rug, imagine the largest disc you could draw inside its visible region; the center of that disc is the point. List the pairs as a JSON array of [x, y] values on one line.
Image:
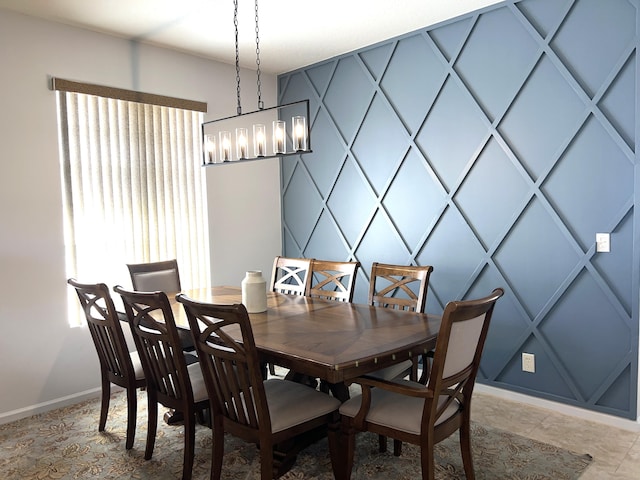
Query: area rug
[[66, 444]]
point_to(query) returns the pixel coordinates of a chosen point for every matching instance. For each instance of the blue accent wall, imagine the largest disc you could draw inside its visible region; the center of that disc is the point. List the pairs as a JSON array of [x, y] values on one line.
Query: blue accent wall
[[493, 147]]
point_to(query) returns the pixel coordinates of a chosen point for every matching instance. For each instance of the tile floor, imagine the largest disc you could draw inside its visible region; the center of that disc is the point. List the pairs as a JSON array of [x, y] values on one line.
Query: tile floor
[[615, 451]]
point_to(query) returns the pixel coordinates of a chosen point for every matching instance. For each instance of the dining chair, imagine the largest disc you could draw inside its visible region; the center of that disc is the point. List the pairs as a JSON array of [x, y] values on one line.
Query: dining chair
[[264, 412], [425, 414], [163, 276], [401, 287], [117, 364], [170, 381], [291, 275], [333, 280]]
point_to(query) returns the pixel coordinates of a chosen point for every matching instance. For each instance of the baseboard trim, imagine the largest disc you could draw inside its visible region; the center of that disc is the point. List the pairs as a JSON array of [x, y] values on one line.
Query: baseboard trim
[[570, 410], [20, 413]]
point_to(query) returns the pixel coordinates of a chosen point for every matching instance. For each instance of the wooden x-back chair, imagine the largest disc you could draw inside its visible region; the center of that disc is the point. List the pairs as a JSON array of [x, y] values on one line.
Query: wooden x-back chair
[[333, 280], [401, 287], [291, 275], [264, 412], [117, 364], [170, 381]]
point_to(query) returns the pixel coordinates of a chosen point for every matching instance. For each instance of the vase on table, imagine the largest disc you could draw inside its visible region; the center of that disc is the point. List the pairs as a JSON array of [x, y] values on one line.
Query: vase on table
[[254, 292]]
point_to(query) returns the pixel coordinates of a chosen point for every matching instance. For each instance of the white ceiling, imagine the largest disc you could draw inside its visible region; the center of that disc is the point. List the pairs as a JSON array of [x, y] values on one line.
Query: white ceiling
[[293, 33]]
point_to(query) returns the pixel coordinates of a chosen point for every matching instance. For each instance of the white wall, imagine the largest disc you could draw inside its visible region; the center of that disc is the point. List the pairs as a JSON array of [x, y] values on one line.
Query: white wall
[[244, 208], [43, 361]]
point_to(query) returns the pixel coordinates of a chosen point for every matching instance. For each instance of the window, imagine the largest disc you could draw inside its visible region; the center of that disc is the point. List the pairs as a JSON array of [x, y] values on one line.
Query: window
[[133, 188]]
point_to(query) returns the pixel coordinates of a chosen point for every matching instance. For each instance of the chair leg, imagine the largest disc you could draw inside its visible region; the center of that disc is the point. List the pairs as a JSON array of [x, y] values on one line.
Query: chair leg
[[132, 413], [104, 404], [397, 448], [465, 449], [152, 426], [189, 444], [266, 462], [426, 460], [382, 443], [217, 449], [335, 446], [349, 438]]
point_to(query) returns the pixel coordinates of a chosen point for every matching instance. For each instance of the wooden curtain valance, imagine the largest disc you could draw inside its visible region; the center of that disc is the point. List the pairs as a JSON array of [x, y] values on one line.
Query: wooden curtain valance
[[128, 95]]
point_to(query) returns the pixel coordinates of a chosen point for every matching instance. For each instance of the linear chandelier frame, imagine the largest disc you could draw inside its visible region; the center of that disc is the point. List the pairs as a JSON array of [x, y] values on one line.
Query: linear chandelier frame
[[269, 137], [266, 123]]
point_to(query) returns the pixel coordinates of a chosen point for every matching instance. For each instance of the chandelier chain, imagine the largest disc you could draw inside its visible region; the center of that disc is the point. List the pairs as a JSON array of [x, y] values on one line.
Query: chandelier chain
[[260, 103], [235, 24]]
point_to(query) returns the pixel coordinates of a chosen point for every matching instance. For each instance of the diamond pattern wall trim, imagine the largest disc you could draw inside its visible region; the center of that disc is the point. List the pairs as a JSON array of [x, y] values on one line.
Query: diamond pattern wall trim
[[494, 147]]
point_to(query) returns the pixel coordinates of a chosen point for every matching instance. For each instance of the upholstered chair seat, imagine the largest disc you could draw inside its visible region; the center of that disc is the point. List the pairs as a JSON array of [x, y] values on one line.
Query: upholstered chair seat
[[397, 411], [293, 403]]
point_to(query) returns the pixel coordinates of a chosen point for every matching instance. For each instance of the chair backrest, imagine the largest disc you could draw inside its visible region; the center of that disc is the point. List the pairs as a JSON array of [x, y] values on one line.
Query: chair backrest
[[333, 280], [231, 368], [399, 286], [291, 275], [158, 343], [106, 331], [461, 338], [155, 276]]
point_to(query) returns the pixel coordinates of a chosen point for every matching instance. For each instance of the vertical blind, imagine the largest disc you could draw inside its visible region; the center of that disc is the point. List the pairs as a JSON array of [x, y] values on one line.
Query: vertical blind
[[133, 189]]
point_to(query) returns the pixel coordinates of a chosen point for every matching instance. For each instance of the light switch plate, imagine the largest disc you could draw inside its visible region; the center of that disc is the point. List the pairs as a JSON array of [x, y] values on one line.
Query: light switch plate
[[528, 362], [602, 242]]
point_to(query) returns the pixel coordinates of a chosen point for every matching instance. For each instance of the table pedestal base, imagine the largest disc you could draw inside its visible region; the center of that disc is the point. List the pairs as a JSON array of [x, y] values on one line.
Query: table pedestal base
[[285, 453]]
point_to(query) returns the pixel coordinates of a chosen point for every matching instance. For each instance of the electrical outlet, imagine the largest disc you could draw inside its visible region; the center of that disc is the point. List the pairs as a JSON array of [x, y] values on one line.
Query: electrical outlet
[[603, 242], [528, 362]]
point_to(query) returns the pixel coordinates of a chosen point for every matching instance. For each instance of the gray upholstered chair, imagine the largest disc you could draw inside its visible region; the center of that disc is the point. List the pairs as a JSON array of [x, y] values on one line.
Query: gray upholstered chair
[[170, 381], [425, 414], [155, 276], [164, 277], [117, 364], [264, 412]]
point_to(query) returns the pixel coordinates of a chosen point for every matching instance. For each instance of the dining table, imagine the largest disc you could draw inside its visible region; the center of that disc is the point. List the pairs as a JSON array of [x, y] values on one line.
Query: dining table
[[326, 339], [330, 340]]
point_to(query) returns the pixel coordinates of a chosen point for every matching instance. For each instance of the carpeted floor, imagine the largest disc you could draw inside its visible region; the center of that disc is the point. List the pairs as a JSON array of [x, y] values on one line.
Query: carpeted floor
[[66, 444]]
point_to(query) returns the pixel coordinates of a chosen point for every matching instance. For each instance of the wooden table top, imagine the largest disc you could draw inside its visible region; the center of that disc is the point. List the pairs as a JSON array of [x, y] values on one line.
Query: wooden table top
[[330, 340]]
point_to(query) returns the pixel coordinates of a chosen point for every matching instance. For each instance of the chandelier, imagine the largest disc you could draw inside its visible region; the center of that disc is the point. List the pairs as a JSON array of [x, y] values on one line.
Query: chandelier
[[265, 133]]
